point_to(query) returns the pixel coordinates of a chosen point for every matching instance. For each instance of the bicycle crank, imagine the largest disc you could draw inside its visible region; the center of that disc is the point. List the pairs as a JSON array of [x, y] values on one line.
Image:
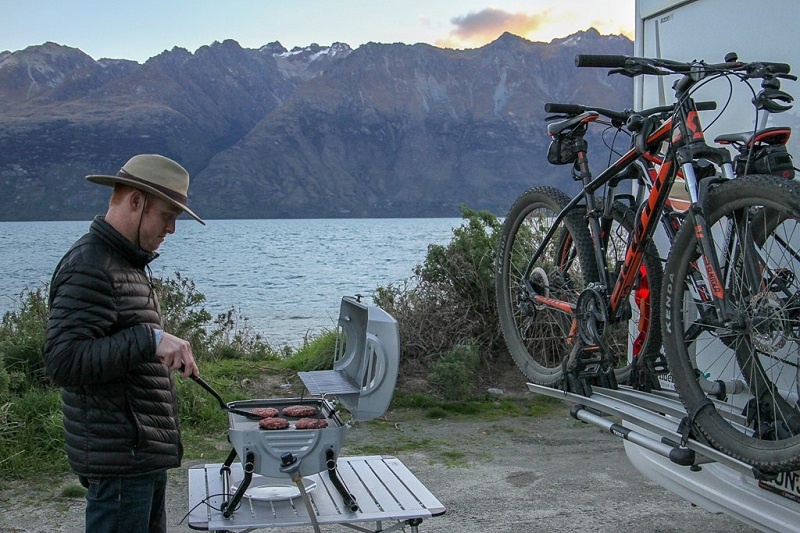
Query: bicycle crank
[[591, 314], [588, 362]]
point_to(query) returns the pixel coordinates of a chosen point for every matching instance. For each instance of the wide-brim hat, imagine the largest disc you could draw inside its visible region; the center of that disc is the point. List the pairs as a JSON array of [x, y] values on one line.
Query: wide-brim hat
[[156, 175]]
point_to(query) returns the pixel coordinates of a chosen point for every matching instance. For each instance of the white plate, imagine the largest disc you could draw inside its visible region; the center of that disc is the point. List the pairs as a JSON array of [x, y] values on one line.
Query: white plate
[[273, 489]]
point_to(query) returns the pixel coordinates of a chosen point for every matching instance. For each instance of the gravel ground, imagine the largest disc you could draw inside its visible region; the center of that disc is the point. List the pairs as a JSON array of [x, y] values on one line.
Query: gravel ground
[[509, 474]]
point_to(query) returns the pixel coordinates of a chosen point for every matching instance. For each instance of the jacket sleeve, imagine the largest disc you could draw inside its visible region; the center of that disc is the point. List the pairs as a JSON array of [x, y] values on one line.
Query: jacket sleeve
[[81, 347]]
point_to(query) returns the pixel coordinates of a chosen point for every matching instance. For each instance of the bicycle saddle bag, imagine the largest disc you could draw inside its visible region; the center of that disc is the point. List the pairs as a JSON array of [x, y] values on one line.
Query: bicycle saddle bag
[[775, 160], [562, 151]]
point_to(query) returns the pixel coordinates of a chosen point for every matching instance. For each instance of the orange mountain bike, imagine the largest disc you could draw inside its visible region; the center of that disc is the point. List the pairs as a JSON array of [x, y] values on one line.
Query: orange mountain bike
[[729, 308]]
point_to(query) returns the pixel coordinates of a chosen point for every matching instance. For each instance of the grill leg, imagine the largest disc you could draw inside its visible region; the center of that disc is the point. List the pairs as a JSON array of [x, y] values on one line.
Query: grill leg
[[347, 497], [231, 457], [228, 508]]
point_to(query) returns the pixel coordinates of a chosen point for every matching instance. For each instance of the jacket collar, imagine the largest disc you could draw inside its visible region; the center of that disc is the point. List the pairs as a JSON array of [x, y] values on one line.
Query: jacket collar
[[116, 240]]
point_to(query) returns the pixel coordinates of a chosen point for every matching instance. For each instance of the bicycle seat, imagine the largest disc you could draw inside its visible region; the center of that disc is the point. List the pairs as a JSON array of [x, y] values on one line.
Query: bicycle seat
[[557, 128], [776, 135]]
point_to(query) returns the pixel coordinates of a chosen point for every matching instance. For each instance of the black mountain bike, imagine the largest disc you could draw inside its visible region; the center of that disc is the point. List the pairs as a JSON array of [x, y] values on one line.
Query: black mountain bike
[[730, 302]]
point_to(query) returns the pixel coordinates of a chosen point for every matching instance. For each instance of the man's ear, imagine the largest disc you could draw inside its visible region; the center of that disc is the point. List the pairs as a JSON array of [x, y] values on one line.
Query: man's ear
[[136, 200]]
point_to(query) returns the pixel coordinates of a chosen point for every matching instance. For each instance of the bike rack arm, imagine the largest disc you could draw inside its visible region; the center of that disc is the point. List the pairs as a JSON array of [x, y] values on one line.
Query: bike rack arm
[[676, 454]]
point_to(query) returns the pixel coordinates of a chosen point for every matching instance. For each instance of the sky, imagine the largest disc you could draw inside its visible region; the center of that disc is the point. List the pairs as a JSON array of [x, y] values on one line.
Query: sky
[[141, 29]]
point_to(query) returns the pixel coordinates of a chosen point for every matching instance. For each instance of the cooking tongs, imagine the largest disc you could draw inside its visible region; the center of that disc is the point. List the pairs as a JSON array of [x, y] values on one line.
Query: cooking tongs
[[225, 407]]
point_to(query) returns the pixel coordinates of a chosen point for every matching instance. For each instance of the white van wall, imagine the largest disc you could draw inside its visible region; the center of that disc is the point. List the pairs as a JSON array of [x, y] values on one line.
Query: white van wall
[[767, 30]]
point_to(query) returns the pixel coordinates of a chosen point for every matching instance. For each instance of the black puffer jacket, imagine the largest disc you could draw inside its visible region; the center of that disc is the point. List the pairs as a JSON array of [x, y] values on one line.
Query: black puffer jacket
[[119, 402]]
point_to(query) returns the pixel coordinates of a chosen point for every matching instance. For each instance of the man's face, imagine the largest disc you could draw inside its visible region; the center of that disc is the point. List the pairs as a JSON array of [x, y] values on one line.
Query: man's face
[[158, 221]]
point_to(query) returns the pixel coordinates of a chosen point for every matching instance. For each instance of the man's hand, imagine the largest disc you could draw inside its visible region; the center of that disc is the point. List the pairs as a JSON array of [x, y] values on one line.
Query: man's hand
[[176, 353]]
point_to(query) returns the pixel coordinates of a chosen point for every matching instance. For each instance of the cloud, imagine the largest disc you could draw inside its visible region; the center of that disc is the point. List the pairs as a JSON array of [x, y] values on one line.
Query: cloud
[[488, 24], [484, 26]]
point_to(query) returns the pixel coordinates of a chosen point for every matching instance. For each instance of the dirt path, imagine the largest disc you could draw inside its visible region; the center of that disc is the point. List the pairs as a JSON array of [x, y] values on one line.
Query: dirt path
[[509, 474]]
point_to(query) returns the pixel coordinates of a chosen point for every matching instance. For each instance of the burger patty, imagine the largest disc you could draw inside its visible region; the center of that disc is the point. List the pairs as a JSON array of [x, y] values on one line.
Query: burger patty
[[311, 423], [265, 412], [273, 423], [299, 411]]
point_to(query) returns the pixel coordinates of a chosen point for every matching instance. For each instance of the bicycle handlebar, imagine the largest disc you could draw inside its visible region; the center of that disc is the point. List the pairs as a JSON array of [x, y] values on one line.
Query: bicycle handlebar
[[567, 109], [576, 109], [601, 61], [634, 66], [774, 68]]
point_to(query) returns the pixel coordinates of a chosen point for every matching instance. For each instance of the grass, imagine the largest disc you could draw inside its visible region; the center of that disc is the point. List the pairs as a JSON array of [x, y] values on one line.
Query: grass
[[394, 447], [440, 451], [31, 440], [73, 491], [454, 458], [314, 355], [472, 431], [482, 407]]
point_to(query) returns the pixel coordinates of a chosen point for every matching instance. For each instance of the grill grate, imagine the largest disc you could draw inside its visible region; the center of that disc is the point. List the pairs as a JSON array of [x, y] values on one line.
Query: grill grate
[[324, 382]]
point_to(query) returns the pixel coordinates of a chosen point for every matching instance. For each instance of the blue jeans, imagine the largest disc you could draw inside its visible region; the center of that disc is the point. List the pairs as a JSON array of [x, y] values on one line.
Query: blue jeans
[[126, 504]]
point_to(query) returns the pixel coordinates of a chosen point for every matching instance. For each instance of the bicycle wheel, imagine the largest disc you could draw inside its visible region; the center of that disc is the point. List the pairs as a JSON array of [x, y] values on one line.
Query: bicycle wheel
[[641, 335], [751, 362], [539, 337]]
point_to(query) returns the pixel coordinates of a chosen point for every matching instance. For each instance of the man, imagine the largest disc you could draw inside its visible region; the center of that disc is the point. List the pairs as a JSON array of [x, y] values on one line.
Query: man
[[106, 349]]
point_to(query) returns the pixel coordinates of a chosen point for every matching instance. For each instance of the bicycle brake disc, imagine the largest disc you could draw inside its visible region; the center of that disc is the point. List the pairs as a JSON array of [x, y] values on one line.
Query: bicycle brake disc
[[769, 322]]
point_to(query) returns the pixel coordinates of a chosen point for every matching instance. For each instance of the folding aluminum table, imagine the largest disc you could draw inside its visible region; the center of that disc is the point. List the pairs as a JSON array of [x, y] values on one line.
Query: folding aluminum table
[[384, 489]]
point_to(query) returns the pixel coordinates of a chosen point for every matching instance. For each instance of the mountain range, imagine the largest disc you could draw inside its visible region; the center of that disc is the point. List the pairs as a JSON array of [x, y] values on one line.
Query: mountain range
[[383, 130]]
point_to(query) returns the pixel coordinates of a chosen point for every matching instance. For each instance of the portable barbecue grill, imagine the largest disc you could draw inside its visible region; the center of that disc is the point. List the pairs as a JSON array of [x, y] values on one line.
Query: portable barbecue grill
[[362, 382]]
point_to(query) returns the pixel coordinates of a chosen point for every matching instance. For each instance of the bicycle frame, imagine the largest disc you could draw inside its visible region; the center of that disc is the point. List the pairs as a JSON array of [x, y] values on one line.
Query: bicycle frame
[[686, 144]]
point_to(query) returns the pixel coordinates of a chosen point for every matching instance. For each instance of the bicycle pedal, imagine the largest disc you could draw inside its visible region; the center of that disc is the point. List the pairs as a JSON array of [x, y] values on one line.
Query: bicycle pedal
[[589, 355]]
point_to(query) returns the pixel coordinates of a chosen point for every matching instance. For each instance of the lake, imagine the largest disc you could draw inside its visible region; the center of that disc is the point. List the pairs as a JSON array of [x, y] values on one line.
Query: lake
[[286, 276]]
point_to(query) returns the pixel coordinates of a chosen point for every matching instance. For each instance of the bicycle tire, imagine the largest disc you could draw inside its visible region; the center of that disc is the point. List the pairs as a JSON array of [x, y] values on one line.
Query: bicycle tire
[[538, 338], [641, 335], [756, 358]]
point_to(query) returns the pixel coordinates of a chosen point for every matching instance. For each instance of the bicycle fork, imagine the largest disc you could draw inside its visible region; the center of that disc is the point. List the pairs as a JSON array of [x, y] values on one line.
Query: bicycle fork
[[711, 272]]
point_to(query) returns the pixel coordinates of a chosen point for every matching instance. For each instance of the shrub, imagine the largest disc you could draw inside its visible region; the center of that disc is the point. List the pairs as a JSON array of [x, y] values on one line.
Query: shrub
[[450, 300], [466, 264], [229, 336], [22, 340], [232, 337], [5, 381], [182, 313], [454, 372]]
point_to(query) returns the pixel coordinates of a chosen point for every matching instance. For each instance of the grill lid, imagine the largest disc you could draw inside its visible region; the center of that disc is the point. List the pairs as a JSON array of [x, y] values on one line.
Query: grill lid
[[366, 362]]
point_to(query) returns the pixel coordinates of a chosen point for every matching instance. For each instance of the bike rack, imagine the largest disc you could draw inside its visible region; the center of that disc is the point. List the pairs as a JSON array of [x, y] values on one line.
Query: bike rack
[[651, 433]]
